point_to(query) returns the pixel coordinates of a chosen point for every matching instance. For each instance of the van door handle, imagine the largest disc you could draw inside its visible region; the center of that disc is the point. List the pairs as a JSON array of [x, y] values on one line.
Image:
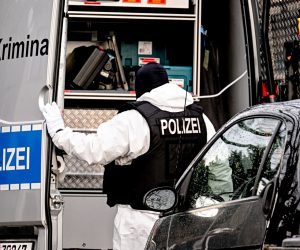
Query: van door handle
[[43, 97]]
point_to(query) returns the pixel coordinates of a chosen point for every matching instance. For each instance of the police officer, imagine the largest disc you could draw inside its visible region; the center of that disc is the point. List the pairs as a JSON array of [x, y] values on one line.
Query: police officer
[[149, 143]]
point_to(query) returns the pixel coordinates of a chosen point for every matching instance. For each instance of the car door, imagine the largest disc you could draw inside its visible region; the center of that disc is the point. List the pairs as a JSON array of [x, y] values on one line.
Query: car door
[[229, 192]]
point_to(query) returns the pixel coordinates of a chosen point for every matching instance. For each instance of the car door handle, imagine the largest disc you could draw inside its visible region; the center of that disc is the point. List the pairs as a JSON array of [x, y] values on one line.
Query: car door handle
[[268, 198]]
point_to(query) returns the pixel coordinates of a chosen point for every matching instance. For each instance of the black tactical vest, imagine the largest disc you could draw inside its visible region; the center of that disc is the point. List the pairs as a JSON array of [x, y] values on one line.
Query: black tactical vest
[[175, 139]]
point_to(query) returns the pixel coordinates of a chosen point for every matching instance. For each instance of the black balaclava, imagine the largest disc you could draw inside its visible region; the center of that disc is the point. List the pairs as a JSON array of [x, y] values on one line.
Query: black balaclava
[[150, 76]]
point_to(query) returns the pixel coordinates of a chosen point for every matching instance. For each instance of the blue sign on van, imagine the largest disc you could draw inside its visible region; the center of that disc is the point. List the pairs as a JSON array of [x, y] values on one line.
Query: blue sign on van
[[20, 157]]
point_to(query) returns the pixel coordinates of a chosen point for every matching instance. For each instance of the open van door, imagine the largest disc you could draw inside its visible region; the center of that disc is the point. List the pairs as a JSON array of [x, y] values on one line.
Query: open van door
[[29, 37]]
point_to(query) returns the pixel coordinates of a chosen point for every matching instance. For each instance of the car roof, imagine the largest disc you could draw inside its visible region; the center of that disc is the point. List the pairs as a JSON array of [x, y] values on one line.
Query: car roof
[[288, 110]]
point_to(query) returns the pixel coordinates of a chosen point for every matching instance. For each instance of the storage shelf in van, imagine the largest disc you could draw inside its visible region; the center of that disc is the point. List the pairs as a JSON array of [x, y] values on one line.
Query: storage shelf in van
[[131, 16], [99, 94]]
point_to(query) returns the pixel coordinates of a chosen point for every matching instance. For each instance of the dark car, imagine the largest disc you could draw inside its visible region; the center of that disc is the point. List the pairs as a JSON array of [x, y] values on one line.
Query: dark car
[[241, 191]]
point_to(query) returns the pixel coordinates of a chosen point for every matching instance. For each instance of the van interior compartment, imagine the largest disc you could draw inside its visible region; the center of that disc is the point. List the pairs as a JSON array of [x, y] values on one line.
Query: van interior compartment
[[130, 43]]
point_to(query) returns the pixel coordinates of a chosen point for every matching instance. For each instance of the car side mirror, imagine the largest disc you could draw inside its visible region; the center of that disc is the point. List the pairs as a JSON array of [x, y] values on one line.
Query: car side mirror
[[161, 199]]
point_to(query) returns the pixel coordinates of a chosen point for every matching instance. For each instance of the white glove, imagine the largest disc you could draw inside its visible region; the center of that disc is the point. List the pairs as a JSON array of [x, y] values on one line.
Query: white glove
[[53, 118]]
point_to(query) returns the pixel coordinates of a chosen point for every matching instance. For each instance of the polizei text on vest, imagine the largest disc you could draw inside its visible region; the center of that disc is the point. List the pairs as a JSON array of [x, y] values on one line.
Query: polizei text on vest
[[173, 126]]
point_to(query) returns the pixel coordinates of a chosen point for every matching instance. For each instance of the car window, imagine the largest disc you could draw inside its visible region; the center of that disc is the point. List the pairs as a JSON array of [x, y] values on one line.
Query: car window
[[229, 168]]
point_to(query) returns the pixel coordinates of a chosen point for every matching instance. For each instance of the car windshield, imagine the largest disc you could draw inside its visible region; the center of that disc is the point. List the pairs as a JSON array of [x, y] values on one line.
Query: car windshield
[[229, 168]]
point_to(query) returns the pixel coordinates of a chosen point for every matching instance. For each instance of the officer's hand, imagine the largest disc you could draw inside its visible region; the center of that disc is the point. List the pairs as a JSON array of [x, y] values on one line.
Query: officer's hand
[[53, 118]]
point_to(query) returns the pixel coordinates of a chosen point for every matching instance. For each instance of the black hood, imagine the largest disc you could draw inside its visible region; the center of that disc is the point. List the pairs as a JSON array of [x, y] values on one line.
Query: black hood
[[150, 76]]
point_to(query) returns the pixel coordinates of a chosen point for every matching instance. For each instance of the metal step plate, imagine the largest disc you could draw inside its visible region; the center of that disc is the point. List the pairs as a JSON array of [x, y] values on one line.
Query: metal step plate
[[79, 174]]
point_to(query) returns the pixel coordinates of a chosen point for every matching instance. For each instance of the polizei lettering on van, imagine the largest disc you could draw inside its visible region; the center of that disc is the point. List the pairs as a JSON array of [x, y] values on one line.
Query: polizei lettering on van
[[15, 159], [11, 49], [176, 126], [20, 156]]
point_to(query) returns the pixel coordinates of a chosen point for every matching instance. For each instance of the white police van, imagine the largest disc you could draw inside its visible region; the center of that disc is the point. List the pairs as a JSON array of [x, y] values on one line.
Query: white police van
[[52, 201], [31, 207]]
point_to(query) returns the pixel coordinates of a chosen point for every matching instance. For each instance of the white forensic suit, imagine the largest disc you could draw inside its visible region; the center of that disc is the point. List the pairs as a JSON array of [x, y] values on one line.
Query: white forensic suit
[[123, 138]]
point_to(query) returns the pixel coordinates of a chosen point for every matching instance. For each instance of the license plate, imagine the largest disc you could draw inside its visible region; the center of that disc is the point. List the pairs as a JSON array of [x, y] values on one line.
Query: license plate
[[16, 245]]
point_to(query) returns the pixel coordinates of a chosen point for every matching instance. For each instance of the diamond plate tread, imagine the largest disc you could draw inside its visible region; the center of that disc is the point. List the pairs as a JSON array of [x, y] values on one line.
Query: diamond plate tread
[[87, 118], [79, 174], [282, 28], [75, 166], [81, 182]]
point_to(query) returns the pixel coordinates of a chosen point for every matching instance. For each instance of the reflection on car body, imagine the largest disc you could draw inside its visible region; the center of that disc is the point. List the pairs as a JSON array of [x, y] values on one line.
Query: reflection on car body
[[241, 191]]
